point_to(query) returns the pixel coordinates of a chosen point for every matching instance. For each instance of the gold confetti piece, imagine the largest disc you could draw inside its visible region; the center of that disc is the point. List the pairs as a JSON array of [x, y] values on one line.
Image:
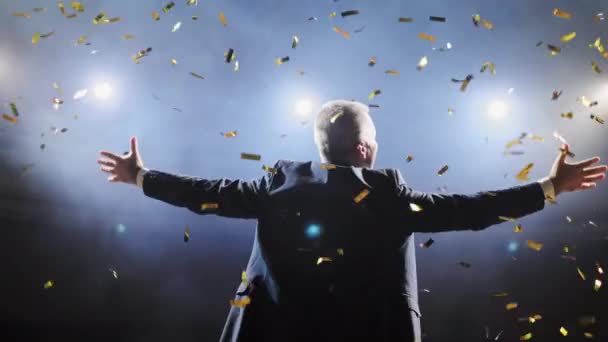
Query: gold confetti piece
[[364, 193], [476, 19], [176, 26], [597, 284], [554, 50], [43, 9], [99, 17], [443, 170], [111, 20], [61, 7], [597, 119], [223, 19], [244, 278], [392, 72], [281, 60], [155, 15], [48, 34], [424, 61], [372, 61], [36, 38], [192, 2], [586, 102], [600, 270], [342, 32], [487, 24], [81, 40], [327, 166], [523, 174], [568, 37], [415, 207], [22, 14], [427, 244], [114, 273], [567, 115], [561, 14], [197, 75], [580, 273], [187, 234], [596, 68], [168, 7], [9, 118], [48, 284], [336, 116], [526, 337], [464, 83], [537, 138], [78, 6], [230, 134], [209, 205], [14, 110], [518, 228], [500, 294], [251, 156], [511, 306], [294, 42], [240, 303], [534, 318], [409, 158], [405, 20], [340, 251], [71, 15], [374, 93], [563, 331], [489, 65], [269, 169], [332, 14], [236, 66], [556, 94], [173, 61], [229, 55], [426, 36], [349, 13], [195, 17], [438, 19], [450, 111], [324, 259], [128, 36], [588, 335], [534, 245]]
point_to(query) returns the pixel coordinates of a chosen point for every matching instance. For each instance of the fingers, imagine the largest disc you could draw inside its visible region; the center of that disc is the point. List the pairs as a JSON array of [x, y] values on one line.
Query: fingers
[[107, 169], [562, 156], [594, 170], [113, 179], [134, 147], [588, 162], [587, 186], [106, 162], [594, 178], [110, 155]]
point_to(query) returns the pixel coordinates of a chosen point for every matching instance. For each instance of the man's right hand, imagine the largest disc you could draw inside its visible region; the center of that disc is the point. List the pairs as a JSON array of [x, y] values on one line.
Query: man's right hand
[[122, 168]]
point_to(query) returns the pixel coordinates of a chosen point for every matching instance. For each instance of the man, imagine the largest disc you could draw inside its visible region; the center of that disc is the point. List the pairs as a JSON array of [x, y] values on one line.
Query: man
[[334, 254]]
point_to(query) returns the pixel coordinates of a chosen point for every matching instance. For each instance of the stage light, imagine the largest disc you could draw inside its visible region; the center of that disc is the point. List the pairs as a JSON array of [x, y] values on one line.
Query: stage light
[[313, 231], [303, 108], [102, 91], [497, 110]]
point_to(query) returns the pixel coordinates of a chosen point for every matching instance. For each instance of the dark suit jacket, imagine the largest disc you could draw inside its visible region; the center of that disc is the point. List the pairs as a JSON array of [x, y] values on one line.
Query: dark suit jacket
[[365, 288]]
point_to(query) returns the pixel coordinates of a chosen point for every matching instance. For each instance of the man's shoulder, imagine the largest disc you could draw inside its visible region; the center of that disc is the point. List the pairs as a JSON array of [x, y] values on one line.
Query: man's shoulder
[[389, 175]]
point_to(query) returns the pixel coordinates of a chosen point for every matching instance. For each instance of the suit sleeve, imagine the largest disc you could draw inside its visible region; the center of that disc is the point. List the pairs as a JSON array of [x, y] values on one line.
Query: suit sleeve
[[447, 212], [223, 197]]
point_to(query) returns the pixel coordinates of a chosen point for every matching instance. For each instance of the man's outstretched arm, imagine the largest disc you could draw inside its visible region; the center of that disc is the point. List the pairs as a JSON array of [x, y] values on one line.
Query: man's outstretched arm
[[460, 212], [231, 198]]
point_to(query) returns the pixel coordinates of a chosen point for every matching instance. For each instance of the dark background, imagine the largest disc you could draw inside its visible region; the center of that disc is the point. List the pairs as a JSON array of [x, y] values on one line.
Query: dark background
[[60, 218]]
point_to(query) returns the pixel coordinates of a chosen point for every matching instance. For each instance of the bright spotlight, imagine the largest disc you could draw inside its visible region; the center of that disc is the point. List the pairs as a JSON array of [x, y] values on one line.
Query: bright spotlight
[[103, 91], [303, 107], [497, 110]]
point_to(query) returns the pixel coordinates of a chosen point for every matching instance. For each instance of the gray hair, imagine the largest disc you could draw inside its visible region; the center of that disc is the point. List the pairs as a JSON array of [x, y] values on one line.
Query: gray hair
[[339, 127]]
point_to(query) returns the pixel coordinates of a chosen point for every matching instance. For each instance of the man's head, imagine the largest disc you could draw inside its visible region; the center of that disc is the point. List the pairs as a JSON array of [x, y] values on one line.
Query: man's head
[[345, 134]]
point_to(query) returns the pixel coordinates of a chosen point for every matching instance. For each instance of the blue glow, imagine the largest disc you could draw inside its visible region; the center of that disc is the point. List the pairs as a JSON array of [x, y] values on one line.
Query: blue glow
[[121, 228], [313, 231], [513, 246]]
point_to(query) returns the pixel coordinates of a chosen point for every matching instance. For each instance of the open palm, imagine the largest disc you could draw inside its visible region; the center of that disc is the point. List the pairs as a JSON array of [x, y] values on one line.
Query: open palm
[[568, 177], [122, 168]]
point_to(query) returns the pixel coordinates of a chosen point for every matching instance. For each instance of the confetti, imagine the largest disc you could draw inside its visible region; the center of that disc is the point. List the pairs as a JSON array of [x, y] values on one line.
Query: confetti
[[349, 13], [332, 14], [599, 17], [405, 20], [427, 244], [586, 102], [168, 7], [187, 234], [489, 65], [340, 251], [312, 19], [446, 47], [251, 156], [534, 245], [327, 166], [593, 224], [588, 335], [563, 331], [360, 29], [192, 2], [597, 119], [336, 116], [114, 273], [443, 170], [596, 68], [78, 6], [342, 32], [554, 50], [281, 60], [176, 26], [464, 264], [438, 19], [392, 72], [81, 40], [568, 37], [415, 207], [321, 260], [99, 18], [500, 294], [464, 83], [197, 75], [523, 174], [526, 337], [9, 118], [426, 36], [22, 14], [141, 54], [364, 193], [240, 303], [567, 115], [580, 273], [409, 158], [518, 228], [229, 55], [374, 93], [209, 205], [236, 66], [269, 169], [194, 17], [424, 61], [80, 94], [556, 94], [36, 38], [155, 15], [223, 19], [511, 306], [600, 270], [42, 9], [173, 61], [294, 42], [230, 134], [487, 24], [561, 14], [597, 284], [42, 146], [372, 61], [48, 284]]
